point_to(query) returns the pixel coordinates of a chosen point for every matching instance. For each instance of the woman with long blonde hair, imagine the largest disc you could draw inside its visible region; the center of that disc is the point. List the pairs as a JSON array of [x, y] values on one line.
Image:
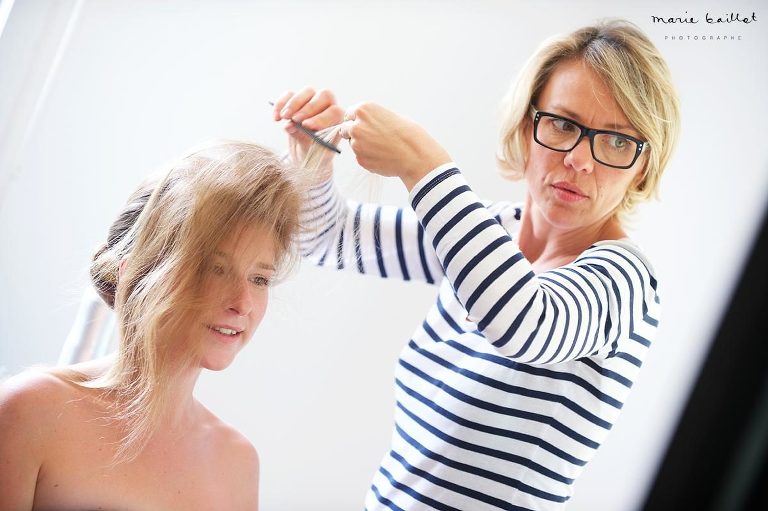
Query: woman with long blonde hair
[[187, 267]]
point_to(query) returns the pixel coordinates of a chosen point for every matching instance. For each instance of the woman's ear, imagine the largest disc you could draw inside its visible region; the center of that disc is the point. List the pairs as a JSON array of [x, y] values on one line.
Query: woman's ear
[[527, 139], [527, 128], [640, 176], [121, 267], [637, 181]]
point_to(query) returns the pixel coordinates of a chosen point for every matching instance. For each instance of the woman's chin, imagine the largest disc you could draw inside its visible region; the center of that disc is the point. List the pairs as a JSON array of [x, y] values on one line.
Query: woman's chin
[[217, 360]]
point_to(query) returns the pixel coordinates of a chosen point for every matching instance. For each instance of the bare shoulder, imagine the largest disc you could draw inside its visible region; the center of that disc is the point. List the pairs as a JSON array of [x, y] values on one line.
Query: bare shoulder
[[232, 444], [31, 395], [29, 404], [42, 392], [237, 458]]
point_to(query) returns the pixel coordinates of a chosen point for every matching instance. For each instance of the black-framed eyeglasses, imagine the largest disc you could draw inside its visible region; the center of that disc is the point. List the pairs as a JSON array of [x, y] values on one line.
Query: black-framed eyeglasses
[[610, 148]]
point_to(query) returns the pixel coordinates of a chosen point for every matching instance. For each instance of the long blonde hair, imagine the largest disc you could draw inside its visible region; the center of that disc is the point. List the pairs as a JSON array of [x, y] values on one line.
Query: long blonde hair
[[163, 238], [638, 77]]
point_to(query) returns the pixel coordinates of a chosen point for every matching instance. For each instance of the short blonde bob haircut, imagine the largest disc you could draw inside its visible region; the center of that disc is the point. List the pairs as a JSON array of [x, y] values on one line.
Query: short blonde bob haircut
[[636, 74]]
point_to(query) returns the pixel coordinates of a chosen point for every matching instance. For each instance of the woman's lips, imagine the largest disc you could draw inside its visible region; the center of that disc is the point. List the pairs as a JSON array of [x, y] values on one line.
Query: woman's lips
[[227, 333], [568, 192]]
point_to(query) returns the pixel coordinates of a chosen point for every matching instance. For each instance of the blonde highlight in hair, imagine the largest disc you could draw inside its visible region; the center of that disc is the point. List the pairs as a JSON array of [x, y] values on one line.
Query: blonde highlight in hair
[[634, 71], [163, 239]]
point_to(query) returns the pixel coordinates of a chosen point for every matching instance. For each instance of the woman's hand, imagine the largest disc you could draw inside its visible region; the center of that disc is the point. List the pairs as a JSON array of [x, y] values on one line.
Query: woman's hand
[[388, 144], [315, 110]]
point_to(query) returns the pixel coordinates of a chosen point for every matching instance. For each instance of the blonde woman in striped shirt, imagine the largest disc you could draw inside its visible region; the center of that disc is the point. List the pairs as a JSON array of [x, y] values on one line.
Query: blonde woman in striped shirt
[[545, 309]]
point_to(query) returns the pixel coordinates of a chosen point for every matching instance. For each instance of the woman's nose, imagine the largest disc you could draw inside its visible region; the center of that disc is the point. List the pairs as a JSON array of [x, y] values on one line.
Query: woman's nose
[[240, 299], [580, 157]]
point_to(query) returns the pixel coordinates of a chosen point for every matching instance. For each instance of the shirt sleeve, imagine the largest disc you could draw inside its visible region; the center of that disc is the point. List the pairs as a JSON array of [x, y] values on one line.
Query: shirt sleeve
[[605, 303], [385, 241]]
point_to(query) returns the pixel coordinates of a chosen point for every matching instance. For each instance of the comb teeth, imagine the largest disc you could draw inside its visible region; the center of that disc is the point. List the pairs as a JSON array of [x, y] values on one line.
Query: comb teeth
[[317, 138], [314, 134]]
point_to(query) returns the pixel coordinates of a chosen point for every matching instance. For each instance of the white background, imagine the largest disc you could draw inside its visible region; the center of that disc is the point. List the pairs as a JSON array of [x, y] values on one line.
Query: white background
[[96, 94]]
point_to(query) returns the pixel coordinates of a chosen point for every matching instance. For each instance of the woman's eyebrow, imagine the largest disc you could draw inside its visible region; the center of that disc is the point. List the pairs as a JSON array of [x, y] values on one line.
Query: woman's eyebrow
[[260, 264], [576, 117]]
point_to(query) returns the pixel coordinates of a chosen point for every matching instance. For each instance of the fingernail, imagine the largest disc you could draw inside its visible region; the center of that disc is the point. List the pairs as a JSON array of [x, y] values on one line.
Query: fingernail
[[284, 112], [298, 117]]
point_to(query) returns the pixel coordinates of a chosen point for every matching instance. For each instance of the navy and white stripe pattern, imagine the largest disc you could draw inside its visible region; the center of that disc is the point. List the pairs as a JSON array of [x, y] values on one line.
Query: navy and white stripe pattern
[[514, 379]]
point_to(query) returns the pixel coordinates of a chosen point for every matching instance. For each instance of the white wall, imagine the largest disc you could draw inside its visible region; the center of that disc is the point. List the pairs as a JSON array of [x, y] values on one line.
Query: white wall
[[95, 94]]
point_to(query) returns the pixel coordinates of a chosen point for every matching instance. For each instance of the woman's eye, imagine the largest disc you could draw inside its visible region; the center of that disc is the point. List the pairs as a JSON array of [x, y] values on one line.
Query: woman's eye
[[260, 281], [563, 125], [619, 143]]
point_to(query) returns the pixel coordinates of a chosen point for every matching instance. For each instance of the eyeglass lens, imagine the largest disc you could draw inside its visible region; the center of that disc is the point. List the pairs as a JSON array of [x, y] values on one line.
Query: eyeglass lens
[[608, 148]]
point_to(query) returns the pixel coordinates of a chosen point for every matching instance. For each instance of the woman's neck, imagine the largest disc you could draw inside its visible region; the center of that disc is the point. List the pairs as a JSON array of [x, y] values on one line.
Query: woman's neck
[[179, 384], [546, 246], [181, 406]]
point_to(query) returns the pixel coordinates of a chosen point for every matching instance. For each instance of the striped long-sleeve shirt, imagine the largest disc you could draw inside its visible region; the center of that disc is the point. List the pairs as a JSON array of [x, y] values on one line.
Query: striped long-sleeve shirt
[[513, 379]]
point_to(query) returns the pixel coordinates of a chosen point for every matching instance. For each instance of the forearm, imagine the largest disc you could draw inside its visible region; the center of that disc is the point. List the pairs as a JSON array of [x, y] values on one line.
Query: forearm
[[384, 241]]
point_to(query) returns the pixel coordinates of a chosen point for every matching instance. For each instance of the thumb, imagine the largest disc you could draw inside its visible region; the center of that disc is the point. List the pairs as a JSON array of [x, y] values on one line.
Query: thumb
[[345, 129]]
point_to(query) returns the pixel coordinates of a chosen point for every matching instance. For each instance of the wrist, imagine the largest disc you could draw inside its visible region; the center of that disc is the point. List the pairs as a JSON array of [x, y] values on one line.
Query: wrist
[[428, 164], [429, 181]]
